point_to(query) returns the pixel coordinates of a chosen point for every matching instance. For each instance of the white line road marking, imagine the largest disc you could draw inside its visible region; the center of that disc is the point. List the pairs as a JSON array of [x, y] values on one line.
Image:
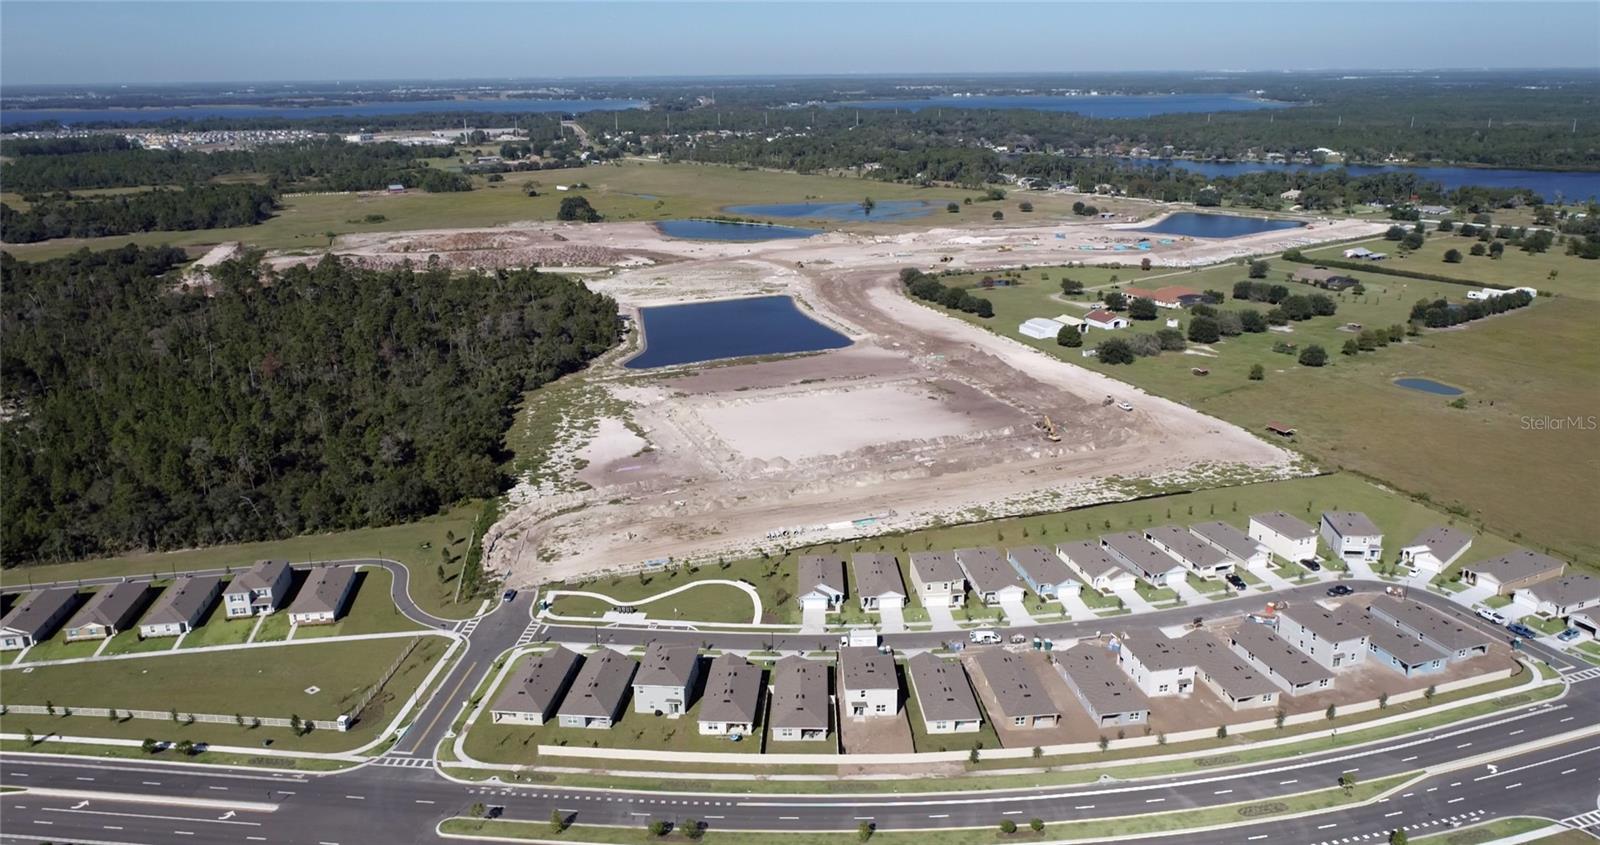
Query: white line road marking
[[146, 816], [1454, 800], [638, 814], [42, 821], [1011, 813], [788, 818], [1568, 771], [1257, 836], [19, 774], [1568, 719], [1515, 732], [1408, 795], [1514, 785], [1454, 784], [865, 818], [222, 788], [1432, 789], [1079, 807], [938, 815], [1463, 745], [112, 827], [356, 797], [1287, 782], [1154, 800], [1328, 825], [83, 778], [1222, 792], [1393, 814], [1408, 759], [184, 832], [257, 838], [715, 817]]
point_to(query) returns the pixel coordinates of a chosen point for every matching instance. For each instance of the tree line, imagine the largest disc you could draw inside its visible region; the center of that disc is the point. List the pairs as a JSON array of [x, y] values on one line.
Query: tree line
[[144, 415], [198, 207]]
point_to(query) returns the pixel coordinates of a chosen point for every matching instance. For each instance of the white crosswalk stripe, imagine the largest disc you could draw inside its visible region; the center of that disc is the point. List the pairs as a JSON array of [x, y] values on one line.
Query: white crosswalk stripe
[[404, 762], [1586, 820], [1582, 675], [529, 633], [1381, 835], [466, 628]]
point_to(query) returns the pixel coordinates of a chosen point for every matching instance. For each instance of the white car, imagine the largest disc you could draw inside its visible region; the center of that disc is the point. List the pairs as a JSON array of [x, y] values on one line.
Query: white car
[[1491, 616], [1126, 406]]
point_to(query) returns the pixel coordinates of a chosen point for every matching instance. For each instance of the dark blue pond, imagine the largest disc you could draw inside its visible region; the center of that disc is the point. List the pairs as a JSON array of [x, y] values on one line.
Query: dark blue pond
[[1197, 225], [74, 116], [1427, 385], [884, 210], [722, 230], [1571, 185], [1121, 105], [731, 328]]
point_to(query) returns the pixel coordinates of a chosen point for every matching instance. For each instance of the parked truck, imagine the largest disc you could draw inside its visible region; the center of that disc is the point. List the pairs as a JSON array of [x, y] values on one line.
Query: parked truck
[[860, 637]]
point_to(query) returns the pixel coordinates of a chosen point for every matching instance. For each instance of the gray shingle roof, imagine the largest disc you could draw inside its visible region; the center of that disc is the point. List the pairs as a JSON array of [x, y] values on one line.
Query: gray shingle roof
[[1226, 669], [1226, 537], [1136, 551], [1093, 672], [930, 567], [1445, 542], [1041, 564], [110, 605], [1188, 547], [538, 682], [1351, 523], [667, 664], [986, 570], [1443, 631], [1519, 565], [1018, 689], [1292, 664], [183, 601], [1410, 650], [1090, 559], [800, 694], [601, 685], [820, 569], [33, 614], [323, 590], [943, 693], [864, 668], [1333, 626], [877, 575], [1567, 591], [733, 691], [262, 576], [1286, 525]]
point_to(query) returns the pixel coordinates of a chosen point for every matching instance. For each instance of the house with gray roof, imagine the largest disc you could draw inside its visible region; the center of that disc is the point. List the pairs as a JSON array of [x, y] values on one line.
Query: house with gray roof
[[1043, 572], [1284, 535], [261, 589], [1228, 675], [1196, 555], [1234, 543], [109, 612], [1457, 640], [667, 678], [1512, 572], [1096, 567], [992, 579], [181, 606], [36, 618], [869, 687], [1435, 549], [1290, 668], [800, 706], [878, 581], [530, 696], [1400, 651], [1020, 695], [732, 700], [1351, 535], [324, 597], [1104, 691], [597, 693], [1559, 597], [1141, 557], [944, 696], [1158, 664], [820, 581], [1334, 638], [938, 579]]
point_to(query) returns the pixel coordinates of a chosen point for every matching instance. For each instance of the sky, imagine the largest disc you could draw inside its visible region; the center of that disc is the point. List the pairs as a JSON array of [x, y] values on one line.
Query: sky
[[56, 41]]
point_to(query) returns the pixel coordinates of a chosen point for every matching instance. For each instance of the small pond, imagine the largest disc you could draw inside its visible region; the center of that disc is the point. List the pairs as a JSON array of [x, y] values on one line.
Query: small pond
[[1197, 225], [723, 230], [881, 210], [730, 328], [1427, 385]]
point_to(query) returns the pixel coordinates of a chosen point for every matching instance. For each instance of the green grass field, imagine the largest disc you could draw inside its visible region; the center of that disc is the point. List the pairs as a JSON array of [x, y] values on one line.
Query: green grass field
[[372, 611], [1574, 276], [709, 603]]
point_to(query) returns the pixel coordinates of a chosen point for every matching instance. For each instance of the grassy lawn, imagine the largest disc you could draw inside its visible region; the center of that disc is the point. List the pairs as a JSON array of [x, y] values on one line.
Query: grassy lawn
[[708, 603], [1497, 601], [1491, 832], [273, 628], [1544, 624], [216, 628], [1206, 586], [923, 741], [372, 611], [513, 744], [128, 642], [1155, 595], [1574, 276], [1097, 600], [415, 544]]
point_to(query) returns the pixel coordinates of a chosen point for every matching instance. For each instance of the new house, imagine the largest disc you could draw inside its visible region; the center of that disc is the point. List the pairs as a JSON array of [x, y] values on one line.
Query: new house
[[868, 685], [260, 589], [1334, 638], [732, 700], [1458, 641], [1104, 691], [1294, 671], [1142, 558], [1560, 596], [36, 618], [1157, 664], [1043, 572], [878, 581], [324, 596], [1435, 549], [530, 696], [1508, 573], [1351, 535], [1020, 695], [799, 701], [821, 581], [181, 606], [1196, 555], [666, 679], [1097, 568], [597, 693], [1228, 675], [1400, 651], [1284, 535], [1171, 296], [1234, 543], [109, 612], [990, 576], [1100, 318], [938, 579], [944, 697]]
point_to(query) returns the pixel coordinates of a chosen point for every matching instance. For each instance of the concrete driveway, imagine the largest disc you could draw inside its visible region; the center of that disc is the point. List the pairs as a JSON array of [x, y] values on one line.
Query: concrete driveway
[[1134, 602], [813, 619], [941, 617], [1016, 613], [1076, 609], [891, 619], [1473, 596], [1186, 592], [1272, 579]]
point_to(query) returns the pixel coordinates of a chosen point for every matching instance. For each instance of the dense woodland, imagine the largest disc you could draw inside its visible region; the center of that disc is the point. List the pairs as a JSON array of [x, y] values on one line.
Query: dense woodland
[[141, 415], [200, 207]]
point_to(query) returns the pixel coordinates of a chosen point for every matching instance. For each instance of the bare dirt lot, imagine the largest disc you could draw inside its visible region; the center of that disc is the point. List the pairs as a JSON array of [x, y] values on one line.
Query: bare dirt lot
[[923, 418]]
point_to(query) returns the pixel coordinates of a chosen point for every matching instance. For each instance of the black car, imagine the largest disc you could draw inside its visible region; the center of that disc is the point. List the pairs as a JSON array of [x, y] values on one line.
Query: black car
[[508, 595], [1311, 564], [1236, 582], [1339, 590]]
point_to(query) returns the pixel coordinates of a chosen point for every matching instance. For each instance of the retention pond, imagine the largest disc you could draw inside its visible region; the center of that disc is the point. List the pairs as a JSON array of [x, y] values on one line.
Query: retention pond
[[729, 328]]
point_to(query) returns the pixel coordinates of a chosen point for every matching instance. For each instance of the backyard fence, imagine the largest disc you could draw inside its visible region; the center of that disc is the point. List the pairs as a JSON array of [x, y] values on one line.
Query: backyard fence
[[167, 716], [372, 691]]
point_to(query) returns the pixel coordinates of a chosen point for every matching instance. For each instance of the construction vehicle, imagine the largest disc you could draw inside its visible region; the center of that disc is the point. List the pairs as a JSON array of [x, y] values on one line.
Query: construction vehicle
[[1048, 426]]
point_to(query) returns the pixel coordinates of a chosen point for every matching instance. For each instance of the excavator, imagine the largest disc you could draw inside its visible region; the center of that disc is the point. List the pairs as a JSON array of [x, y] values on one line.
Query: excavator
[[1048, 426]]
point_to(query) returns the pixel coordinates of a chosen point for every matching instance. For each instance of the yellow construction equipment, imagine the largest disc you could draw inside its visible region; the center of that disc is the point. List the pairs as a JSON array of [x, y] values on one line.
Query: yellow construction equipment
[[1048, 426]]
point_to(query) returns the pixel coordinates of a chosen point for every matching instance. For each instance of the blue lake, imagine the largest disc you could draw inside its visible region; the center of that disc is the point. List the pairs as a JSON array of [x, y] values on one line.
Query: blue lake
[[731, 328], [722, 230], [840, 211], [1571, 185], [1196, 225], [1121, 105], [1428, 386], [74, 116]]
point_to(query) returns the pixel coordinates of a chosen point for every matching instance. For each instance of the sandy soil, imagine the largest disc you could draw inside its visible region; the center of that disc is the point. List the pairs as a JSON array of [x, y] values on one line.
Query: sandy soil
[[924, 418]]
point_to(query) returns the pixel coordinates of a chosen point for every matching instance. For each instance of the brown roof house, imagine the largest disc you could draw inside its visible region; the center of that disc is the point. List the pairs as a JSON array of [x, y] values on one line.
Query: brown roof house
[[944, 696], [261, 589], [109, 612], [597, 693], [531, 695], [1103, 690], [1435, 549], [666, 679], [1019, 692], [181, 606], [1512, 572], [324, 597], [800, 703], [878, 581], [36, 618], [821, 582], [732, 700], [938, 579], [868, 684]]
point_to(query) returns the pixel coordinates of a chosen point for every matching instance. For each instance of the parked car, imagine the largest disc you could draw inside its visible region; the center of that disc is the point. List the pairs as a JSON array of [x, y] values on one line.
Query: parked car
[[1339, 590], [984, 636], [1491, 616], [1569, 635], [1236, 582], [1311, 564], [1126, 406], [1019, 639], [1522, 631]]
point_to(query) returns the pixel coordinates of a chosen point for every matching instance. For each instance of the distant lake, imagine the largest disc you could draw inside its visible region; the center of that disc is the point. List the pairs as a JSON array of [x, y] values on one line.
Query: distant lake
[[723, 230], [730, 328], [379, 109], [840, 211], [1120, 105], [1573, 185], [1197, 225], [1428, 385]]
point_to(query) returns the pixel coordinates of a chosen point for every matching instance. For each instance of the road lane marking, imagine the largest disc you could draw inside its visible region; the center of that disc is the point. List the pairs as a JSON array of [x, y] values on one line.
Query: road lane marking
[[1517, 731], [83, 778], [1012, 813], [1514, 785], [184, 832], [938, 815], [1154, 800], [1463, 745], [446, 707], [147, 816], [1328, 825], [1222, 792], [1080, 807], [222, 788], [1454, 800], [1568, 771], [788, 818], [1393, 814], [356, 797], [1408, 759], [1254, 838], [42, 821], [423, 801], [1287, 782], [714, 817]]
